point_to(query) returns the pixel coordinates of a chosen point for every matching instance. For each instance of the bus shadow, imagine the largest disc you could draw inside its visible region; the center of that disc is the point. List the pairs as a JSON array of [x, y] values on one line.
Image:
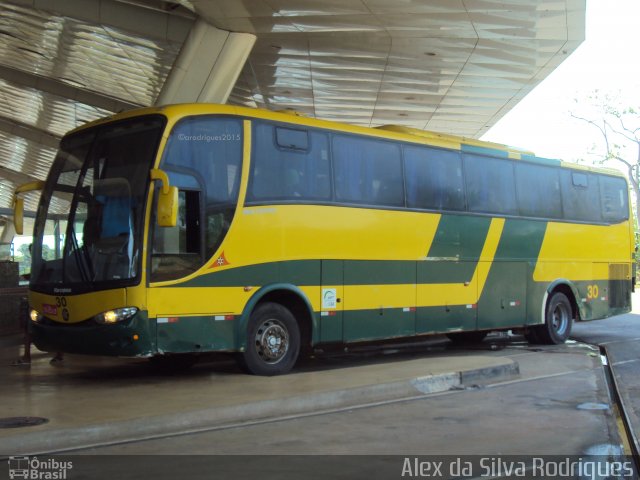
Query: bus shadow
[[86, 369]]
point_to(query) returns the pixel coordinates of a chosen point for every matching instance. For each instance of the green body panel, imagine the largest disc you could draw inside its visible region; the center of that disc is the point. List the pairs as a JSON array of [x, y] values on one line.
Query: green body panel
[[445, 319], [536, 294], [521, 240], [376, 324], [613, 298], [296, 272], [196, 334], [380, 322], [503, 301], [331, 325], [364, 272], [509, 291], [93, 339], [459, 236]]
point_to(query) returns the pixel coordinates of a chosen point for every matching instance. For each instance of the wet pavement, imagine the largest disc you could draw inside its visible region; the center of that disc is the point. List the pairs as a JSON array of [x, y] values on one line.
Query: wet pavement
[[620, 336], [501, 397], [91, 401]]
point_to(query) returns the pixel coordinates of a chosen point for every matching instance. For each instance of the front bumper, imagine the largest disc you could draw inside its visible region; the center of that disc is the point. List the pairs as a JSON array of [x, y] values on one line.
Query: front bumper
[[89, 338]]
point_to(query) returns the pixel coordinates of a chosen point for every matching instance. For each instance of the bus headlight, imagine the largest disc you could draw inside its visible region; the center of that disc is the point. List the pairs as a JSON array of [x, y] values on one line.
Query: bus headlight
[[35, 316], [116, 315]]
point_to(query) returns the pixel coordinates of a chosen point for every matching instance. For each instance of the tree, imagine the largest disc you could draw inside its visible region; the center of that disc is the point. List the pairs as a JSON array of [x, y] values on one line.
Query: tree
[[619, 134], [25, 252]]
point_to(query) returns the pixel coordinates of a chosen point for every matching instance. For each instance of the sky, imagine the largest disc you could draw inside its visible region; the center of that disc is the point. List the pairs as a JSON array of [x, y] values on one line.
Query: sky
[[607, 60]]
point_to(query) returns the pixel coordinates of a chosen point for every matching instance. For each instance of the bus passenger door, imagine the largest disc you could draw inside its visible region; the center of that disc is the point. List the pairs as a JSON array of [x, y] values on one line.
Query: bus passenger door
[[331, 300]]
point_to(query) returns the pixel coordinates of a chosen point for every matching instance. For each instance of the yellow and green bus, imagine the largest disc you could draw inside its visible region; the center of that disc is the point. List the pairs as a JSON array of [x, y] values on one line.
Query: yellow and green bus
[[172, 231]]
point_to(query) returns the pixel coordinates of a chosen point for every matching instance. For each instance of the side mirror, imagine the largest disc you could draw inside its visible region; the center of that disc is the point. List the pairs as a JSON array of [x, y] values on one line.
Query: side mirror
[[18, 203], [18, 215], [167, 212]]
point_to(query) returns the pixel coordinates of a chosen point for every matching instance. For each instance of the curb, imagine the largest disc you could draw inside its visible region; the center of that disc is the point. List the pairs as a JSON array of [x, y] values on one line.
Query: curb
[[146, 428]]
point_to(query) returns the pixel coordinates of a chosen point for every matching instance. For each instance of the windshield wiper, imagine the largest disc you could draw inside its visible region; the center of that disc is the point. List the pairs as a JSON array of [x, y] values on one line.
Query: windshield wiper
[[81, 258]]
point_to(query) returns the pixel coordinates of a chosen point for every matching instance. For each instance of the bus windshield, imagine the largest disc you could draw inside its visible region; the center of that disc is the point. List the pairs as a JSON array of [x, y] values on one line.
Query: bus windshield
[[89, 225]]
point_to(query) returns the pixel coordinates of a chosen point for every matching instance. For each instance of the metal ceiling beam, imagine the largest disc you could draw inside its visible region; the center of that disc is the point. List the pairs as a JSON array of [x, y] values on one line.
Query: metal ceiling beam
[[146, 22], [61, 89], [18, 178], [29, 132]]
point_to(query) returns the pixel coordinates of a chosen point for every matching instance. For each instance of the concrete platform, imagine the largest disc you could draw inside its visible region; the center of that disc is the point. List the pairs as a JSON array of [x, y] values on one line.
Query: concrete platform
[[92, 401]]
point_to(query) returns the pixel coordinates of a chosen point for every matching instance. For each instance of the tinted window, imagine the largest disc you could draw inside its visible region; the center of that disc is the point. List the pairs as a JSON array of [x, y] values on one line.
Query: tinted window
[[289, 164], [434, 179], [490, 185], [177, 251], [291, 138], [614, 199], [579, 179], [367, 171], [203, 158], [580, 196], [538, 190], [209, 149]]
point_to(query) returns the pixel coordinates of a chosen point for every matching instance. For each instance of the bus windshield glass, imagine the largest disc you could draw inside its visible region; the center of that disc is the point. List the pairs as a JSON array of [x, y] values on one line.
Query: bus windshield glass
[[89, 224]]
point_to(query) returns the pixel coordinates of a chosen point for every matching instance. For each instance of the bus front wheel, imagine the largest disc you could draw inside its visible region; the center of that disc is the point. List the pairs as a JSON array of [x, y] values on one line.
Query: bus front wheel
[[558, 321], [273, 341]]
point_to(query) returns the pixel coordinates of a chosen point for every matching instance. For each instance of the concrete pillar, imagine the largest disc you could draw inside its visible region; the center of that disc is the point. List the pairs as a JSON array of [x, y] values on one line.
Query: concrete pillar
[[208, 66], [7, 231]]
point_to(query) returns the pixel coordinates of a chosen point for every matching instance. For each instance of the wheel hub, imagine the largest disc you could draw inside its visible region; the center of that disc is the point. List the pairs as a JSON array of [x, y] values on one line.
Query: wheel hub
[[560, 319], [272, 341]]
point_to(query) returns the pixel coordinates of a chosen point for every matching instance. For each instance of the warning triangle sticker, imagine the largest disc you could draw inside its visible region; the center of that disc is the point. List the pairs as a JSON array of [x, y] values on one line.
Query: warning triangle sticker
[[221, 261]]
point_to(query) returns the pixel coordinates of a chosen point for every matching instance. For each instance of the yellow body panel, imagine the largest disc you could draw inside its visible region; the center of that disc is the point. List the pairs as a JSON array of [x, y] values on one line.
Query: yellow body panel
[[79, 307], [579, 252]]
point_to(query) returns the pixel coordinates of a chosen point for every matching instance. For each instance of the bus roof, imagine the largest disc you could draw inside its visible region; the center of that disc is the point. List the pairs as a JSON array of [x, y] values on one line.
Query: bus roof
[[396, 132]]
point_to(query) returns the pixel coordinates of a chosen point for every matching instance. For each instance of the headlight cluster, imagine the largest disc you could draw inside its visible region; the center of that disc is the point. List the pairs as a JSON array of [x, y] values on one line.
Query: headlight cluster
[[35, 316], [116, 315], [105, 318]]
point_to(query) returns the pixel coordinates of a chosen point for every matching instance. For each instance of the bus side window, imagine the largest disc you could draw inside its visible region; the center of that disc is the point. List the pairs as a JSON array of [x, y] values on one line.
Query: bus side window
[[580, 196], [177, 250], [614, 199], [538, 189], [367, 171], [490, 185], [434, 178], [289, 164]]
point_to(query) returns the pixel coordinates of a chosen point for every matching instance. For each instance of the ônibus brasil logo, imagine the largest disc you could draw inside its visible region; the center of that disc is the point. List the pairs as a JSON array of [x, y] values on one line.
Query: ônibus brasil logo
[[36, 469]]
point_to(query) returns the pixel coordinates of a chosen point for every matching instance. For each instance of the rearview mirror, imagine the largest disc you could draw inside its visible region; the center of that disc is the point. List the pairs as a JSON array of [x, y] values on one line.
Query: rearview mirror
[[18, 215], [167, 212], [18, 203], [168, 208]]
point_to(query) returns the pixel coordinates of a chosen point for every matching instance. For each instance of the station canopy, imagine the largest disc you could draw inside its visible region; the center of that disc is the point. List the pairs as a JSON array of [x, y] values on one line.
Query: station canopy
[[453, 66]]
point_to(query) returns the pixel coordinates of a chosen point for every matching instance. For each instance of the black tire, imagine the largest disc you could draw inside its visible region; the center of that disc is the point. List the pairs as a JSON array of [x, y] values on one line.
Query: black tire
[[174, 363], [558, 321], [273, 341], [466, 338]]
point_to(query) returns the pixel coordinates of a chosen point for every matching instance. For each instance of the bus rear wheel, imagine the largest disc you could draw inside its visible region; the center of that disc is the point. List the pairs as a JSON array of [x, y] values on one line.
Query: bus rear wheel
[[273, 341], [558, 321]]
